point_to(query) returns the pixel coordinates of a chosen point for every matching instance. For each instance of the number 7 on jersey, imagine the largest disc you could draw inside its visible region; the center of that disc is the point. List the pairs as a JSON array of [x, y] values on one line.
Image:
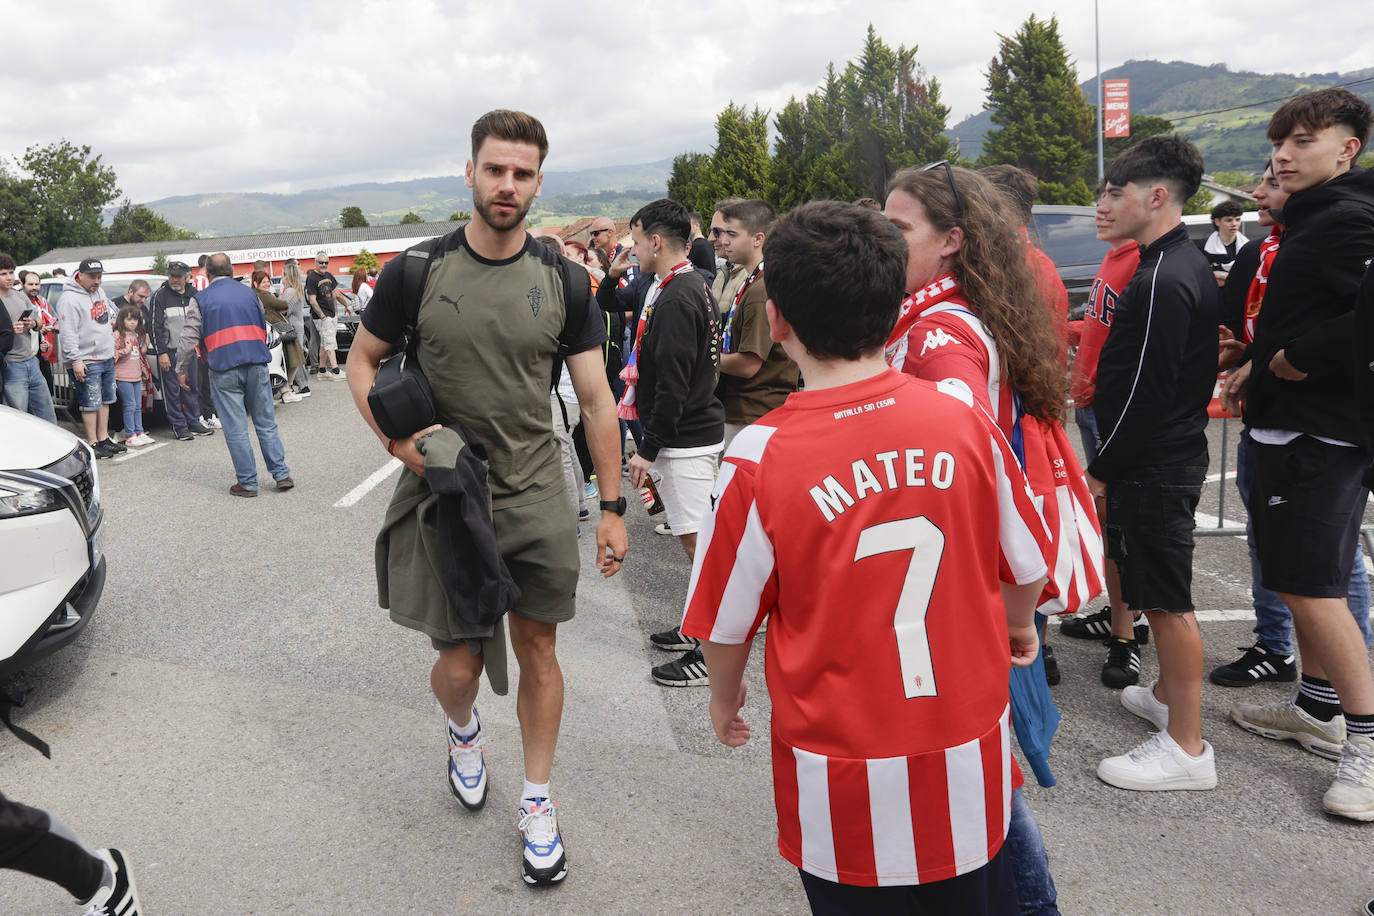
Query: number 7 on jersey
[[927, 545]]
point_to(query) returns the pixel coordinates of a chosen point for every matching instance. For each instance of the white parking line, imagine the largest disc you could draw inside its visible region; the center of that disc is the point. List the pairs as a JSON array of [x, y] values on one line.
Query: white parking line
[[134, 454], [1213, 478], [367, 486]]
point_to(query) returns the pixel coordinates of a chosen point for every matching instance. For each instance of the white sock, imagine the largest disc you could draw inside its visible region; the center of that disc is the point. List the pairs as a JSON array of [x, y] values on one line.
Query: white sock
[[468, 729], [535, 790]]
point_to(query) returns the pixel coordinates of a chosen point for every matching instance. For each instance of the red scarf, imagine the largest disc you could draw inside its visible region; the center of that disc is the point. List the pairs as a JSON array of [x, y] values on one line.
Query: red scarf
[[1254, 296], [913, 306]]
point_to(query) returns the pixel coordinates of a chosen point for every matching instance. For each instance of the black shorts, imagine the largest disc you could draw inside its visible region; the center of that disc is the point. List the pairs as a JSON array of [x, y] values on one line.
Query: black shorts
[[986, 891], [1307, 503], [1149, 533]]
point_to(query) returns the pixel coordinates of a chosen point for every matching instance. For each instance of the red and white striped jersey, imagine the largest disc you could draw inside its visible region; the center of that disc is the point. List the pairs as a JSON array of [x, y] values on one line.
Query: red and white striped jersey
[[949, 341], [872, 523]]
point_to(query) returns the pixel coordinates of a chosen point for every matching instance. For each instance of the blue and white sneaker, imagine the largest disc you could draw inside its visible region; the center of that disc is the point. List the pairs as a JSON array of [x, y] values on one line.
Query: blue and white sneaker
[[544, 861], [589, 490], [467, 771]]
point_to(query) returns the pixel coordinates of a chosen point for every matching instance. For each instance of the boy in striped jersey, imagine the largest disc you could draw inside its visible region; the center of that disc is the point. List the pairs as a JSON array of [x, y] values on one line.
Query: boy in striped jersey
[[883, 524]]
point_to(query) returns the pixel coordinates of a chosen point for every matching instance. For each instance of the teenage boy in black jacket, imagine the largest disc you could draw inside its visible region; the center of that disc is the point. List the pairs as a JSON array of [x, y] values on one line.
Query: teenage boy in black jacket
[[1154, 380], [1310, 451], [676, 352]]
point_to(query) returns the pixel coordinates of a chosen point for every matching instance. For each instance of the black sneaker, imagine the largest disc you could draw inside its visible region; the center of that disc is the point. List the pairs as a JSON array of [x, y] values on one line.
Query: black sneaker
[[1098, 625], [101, 451], [1256, 665], [196, 429], [113, 447], [120, 899], [1122, 668], [182, 435], [1051, 666], [673, 641], [688, 671]]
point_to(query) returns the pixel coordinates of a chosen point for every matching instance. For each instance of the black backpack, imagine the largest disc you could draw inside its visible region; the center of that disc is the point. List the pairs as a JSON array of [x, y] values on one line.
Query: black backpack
[[401, 400]]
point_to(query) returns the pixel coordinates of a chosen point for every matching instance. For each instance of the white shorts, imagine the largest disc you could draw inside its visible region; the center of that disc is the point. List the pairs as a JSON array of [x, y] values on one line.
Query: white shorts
[[685, 486], [328, 329]]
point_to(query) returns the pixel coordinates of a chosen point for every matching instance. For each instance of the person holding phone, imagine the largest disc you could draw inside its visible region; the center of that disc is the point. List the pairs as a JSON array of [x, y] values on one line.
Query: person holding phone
[[87, 342], [25, 388]]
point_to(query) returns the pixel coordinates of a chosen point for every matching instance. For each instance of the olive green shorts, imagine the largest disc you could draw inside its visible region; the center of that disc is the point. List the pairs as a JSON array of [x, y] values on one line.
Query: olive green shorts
[[539, 544]]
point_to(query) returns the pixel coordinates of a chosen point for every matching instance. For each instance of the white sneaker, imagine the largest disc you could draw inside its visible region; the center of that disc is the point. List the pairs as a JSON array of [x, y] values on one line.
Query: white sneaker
[[467, 771], [1352, 794], [291, 397], [138, 440], [663, 528], [543, 860], [1160, 765], [212, 422], [1143, 702]]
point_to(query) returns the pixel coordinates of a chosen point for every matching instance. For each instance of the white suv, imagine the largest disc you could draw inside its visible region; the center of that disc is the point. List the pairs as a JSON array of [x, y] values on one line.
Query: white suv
[[51, 538]]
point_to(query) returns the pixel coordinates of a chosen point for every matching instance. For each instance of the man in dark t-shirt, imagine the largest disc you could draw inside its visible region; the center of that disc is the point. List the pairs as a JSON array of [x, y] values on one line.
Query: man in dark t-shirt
[[319, 295], [493, 318]]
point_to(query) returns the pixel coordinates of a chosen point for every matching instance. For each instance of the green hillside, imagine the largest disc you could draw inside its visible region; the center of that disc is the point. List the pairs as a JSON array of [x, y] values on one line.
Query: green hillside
[[1229, 140]]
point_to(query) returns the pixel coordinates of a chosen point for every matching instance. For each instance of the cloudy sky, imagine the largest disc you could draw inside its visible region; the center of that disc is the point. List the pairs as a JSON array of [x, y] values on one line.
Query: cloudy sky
[[294, 94]]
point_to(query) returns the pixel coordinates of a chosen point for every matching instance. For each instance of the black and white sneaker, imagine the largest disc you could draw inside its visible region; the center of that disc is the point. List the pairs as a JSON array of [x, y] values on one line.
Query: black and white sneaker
[[467, 770], [100, 451], [1098, 625], [119, 899], [1122, 668], [113, 447], [197, 430], [1256, 665], [673, 641], [687, 671], [543, 860]]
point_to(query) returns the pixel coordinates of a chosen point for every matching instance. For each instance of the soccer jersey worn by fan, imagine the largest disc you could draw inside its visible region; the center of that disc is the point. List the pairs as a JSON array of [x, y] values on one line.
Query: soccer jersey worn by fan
[[1112, 276], [873, 522]]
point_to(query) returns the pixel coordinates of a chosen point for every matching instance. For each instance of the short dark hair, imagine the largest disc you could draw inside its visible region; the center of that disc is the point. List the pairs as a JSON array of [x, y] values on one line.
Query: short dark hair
[[754, 215], [1226, 208], [1166, 159], [725, 202], [553, 242], [138, 284], [7, 262], [1322, 109], [1018, 184], [665, 218], [515, 126], [24, 276], [695, 218], [837, 274], [219, 265]]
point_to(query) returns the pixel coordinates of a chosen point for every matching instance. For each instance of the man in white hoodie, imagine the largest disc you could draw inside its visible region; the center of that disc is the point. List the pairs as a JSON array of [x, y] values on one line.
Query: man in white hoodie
[[86, 336]]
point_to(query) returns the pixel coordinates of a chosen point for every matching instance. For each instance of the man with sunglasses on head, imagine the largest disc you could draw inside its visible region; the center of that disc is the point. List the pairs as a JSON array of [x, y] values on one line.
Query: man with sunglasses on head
[[319, 295], [86, 337]]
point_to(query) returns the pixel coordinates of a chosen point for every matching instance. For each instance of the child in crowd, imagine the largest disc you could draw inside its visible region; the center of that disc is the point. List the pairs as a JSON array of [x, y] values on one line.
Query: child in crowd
[[131, 342], [883, 524]]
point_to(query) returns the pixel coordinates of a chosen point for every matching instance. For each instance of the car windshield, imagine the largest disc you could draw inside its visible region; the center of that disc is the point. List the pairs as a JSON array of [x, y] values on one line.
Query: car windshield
[[1070, 238]]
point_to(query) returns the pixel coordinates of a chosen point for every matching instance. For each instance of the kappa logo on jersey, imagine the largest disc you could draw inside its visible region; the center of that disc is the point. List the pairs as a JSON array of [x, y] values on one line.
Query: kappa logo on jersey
[[536, 297], [936, 339]]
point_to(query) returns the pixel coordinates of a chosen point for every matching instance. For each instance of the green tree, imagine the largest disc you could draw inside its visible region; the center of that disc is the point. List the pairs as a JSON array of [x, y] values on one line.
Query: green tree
[[367, 259], [136, 223], [459, 216], [71, 188], [1366, 161], [21, 230], [687, 181], [352, 218], [411, 217], [159, 265], [739, 164], [1045, 123]]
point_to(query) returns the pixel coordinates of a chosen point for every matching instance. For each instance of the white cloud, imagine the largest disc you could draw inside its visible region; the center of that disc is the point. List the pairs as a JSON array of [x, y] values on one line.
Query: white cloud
[[277, 96]]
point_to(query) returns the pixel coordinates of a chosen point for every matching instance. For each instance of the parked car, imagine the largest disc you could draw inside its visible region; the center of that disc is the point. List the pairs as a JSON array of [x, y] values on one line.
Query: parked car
[[1069, 236], [51, 538], [63, 399]]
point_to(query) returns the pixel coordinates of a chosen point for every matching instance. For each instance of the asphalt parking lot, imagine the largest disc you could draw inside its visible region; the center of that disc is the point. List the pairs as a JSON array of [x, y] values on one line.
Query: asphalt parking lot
[[243, 720]]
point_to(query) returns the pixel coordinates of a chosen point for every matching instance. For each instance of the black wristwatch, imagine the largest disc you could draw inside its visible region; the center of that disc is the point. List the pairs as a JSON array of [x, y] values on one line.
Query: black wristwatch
[[614, 505]]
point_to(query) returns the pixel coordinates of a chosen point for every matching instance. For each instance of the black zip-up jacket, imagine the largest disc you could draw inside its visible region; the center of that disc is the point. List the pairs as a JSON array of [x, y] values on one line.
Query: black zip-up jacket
[[162, 338], [678, 359], [1159, 365], [1308, 312]]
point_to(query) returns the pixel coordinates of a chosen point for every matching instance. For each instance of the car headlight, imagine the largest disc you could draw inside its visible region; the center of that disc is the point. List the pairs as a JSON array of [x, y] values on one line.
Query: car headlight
[[19, 498]]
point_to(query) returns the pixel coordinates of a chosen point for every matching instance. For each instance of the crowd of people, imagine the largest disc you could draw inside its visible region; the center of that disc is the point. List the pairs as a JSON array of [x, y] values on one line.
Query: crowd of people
[[852, 416]]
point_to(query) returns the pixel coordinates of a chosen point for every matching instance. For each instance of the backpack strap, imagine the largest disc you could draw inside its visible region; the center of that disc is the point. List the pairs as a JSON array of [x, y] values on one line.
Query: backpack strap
[[414, 272], [578, 297]]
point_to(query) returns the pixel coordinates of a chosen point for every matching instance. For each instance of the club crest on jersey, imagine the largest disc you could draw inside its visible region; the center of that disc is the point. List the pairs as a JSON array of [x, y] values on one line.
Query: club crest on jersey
[[536, 297], [936, 339]]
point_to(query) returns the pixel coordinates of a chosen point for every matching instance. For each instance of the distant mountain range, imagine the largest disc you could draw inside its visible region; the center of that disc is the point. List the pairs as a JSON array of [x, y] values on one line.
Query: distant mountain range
[[616, 190], [1229, 140]]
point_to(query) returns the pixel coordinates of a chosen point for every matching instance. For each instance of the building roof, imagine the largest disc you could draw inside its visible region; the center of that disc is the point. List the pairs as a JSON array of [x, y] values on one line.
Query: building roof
[[196, 247]]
